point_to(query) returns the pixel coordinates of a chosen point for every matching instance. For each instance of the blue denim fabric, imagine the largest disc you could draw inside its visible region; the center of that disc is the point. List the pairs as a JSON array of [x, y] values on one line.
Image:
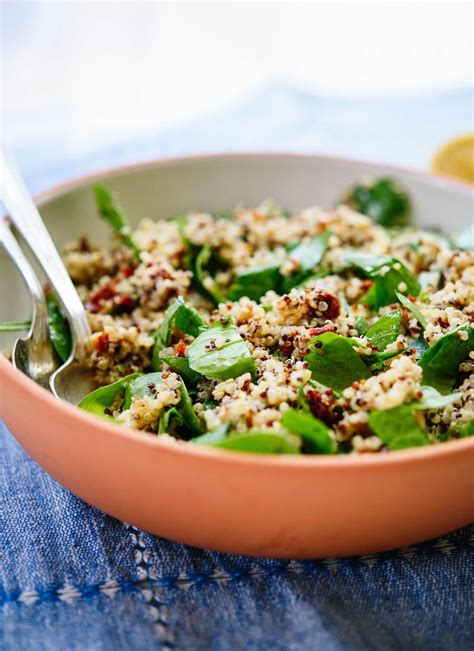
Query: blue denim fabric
[[72, 577]]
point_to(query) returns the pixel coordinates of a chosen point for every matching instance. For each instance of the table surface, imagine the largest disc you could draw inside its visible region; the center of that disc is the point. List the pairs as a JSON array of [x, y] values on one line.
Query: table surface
[[72, 577]]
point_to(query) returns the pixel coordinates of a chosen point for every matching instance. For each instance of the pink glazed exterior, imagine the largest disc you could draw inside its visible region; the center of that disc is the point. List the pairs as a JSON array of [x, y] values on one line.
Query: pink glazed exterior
[[261, 505]]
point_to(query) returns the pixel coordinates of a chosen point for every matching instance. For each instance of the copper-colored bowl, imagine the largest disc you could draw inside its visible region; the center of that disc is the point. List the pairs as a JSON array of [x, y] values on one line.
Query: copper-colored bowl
[[261, 505]]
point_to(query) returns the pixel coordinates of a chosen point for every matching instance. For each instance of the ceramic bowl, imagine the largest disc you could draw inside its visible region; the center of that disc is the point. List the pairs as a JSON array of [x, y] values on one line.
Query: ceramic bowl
[[274, 506]]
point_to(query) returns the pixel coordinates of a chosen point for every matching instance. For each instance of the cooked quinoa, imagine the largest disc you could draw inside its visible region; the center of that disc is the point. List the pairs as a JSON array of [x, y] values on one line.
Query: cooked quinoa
[[320, 331]]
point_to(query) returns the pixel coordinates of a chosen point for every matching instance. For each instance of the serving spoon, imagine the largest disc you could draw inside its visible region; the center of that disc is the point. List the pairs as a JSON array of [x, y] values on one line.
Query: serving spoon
[[71, 381], [33, 353]]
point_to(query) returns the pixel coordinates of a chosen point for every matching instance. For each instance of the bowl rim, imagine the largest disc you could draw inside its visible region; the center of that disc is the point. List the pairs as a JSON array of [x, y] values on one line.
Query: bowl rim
[[59, 189], [309, 462]]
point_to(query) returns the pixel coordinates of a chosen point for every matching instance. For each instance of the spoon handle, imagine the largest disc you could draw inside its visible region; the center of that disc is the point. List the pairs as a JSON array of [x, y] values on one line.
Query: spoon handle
[[28, 221]]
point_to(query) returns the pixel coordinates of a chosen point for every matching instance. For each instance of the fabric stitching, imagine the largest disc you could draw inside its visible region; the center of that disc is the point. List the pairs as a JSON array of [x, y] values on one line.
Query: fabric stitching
[[152, 591], [152, 587]]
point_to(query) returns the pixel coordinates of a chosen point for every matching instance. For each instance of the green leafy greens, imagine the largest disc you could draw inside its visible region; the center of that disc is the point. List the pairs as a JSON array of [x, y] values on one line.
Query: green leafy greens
[[58, 326], [203, 278], [252, 441], [307, 255], [15, 326], [141, 385], [314, 433], [440, 362], [144, 385], [383, 200], [181, 366], [180, 316], [255, 282], [385, 330], [398, 427], [110, 210], [333, 361], [432, 399], [220, 353], [389, 276], [101, 400], [413, 309]]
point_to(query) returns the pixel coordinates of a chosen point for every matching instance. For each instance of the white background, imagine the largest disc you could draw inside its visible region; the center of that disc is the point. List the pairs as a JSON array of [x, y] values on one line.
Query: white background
[[83, 72]]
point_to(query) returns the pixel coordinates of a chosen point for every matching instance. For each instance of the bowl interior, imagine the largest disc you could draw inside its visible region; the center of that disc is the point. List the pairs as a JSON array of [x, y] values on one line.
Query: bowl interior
[[169, 188]]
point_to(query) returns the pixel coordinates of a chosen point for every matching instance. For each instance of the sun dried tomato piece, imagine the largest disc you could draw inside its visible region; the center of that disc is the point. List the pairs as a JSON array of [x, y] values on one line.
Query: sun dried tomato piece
[[102, 342], [127, 271], [180, 349], [328, 327], [333, 303], [103, 293]]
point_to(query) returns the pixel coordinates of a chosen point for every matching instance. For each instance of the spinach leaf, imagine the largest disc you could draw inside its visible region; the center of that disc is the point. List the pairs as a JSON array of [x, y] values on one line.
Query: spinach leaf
[[389, 276], [220, 353], [170, 421], [181, 366], [440, 362], [375, 362], [413, 309], [268, 442], [204, 280], [185, 407], [100, 400], [366, 262], [383, 200], [361, 325], [385, 330], [308, 255], [58, 326], [333, 362], [110, 210], [432, 399], [211, 438], [144, 385], [185, 318], [15, 326], [314, 433], [255, 282], [458, 432], [397, 427], [413, 440], [467, 429], [178, 315]]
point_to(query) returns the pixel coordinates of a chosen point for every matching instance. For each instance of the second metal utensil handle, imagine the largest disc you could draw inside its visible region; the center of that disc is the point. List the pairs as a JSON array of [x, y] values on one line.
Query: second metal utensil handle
[[24, 214]]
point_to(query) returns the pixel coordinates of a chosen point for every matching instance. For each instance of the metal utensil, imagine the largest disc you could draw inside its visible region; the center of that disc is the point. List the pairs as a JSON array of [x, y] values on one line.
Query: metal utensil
[[33, 353], [72, 380]]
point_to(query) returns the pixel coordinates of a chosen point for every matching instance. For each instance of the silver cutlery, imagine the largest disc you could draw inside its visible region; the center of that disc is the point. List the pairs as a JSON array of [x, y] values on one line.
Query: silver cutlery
[[72, 380], [33, 353]]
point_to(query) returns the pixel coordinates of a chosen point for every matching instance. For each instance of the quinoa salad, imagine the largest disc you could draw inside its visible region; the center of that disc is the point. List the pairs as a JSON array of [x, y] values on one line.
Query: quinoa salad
[[325, 331]]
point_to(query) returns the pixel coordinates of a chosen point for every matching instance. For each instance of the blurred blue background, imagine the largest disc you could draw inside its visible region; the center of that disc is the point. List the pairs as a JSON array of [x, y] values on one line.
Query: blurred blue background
[[86, 85]]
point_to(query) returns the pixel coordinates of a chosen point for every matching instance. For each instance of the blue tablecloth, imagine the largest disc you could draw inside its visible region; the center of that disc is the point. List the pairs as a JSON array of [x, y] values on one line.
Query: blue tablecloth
[[72, 577]]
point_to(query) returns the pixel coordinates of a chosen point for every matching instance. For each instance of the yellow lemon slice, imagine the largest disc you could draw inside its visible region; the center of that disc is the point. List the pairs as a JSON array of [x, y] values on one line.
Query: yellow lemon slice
[[456, 159]]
